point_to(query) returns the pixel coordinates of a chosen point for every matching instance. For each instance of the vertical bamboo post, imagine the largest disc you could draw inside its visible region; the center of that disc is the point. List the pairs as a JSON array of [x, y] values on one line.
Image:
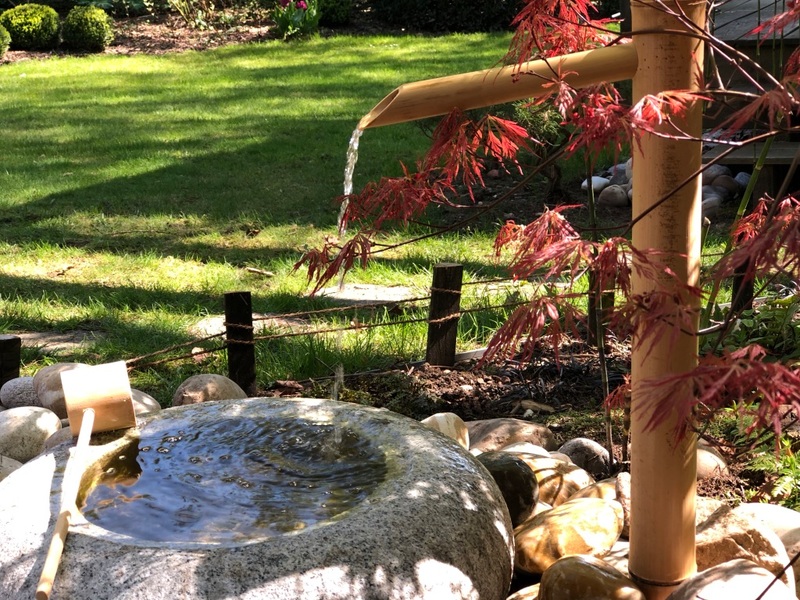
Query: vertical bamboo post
[[443, 315], [663, 470], [10, 353], [239, 337]]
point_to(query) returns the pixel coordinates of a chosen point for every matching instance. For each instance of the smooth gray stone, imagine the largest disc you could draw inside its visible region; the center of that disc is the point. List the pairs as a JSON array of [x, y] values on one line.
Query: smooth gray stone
[[435, 527]]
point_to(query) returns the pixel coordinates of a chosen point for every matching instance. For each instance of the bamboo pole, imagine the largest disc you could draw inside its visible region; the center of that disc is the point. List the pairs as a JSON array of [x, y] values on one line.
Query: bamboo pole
[[433, 97], [663, 470]]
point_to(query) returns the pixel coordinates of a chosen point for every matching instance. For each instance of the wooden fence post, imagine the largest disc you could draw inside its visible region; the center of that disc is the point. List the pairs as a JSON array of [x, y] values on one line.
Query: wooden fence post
[[443, 316], [239, 339], [10, 348]]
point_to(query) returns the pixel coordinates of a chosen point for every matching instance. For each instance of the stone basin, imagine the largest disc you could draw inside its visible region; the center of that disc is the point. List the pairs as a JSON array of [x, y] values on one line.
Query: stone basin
[[264, 498]]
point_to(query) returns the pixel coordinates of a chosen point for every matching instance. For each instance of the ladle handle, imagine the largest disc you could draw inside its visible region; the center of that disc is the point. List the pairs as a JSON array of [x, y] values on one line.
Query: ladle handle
[[69, 493]]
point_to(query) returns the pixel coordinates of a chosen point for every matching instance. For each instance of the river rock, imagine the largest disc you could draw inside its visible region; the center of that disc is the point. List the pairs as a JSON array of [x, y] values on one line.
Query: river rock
[[725, 536], [710, 464], [207, 388], [8, 466], [629, 168], [516, 482], [588, 455], [784, 521], [59, 437], [451, 425], [493, 434], [598, 184], [527, 448], [613, 195], [586, 578], [562, 457], [605, 489], [711, 206], [711, 172], [19, 392], [728, 183], [23, 431], [743, 179], [144, 404], [47, 383], [582, 526], [735, 579], [527, 593], [558, 480], [623, 489]]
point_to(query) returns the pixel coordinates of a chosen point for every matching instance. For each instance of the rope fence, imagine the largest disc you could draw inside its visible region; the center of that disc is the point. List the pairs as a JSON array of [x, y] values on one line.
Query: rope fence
[[239, 338]]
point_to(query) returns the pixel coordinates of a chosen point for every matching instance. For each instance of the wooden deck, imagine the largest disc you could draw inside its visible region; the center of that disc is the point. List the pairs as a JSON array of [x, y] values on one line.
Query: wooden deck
[[735, 19], [781, 153]]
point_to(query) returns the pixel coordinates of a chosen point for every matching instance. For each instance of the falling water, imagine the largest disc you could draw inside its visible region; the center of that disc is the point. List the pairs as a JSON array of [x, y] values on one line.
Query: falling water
[[349, 168]]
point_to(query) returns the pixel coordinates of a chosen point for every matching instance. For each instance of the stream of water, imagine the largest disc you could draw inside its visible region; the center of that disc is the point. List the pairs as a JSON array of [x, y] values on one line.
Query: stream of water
[[349, 169]]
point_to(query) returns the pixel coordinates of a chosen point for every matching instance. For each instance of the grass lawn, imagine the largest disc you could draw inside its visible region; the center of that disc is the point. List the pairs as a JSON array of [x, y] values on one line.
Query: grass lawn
[[134, 191]]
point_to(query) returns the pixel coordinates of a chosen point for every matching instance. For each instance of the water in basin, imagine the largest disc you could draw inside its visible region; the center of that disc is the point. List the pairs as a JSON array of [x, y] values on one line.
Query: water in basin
[[234, 480]]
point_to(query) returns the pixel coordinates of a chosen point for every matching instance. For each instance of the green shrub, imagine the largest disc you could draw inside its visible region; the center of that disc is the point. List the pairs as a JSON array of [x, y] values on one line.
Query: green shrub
[[5, 41], [296, 17], [335, 12], [31, 26], [445, 15], [87, 28]]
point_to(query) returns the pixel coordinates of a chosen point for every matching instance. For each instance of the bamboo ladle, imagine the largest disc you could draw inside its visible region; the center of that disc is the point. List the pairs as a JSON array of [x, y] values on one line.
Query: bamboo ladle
[[98, 399]]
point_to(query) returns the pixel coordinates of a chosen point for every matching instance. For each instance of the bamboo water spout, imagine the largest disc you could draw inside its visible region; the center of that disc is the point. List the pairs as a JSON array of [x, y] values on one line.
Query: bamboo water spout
[[434, 97]]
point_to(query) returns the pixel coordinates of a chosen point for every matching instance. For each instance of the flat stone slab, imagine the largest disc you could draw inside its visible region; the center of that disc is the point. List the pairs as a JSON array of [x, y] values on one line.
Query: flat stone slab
[[434, 526]]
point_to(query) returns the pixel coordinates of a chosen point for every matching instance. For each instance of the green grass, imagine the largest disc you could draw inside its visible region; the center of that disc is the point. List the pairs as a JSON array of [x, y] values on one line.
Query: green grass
[[134, 191]]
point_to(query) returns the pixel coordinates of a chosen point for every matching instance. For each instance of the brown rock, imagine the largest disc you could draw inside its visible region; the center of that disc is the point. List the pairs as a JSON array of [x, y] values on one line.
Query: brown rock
[[205, 388], [558, 481], [493, 434], [47, 383], [725, 536], [582, 526], [605, 489], [586, 578]]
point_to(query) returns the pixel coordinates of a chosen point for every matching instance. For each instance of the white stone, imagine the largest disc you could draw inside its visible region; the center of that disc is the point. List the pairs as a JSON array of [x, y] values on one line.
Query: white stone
[[451, 425], [561, 457], [8, 466], [711, 172], [18, 392], [629, 168], [207, 388], [733, 580], [710, 464], [144, 404], [23, 431], [47, 383], [598, 184], [527, 448]]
